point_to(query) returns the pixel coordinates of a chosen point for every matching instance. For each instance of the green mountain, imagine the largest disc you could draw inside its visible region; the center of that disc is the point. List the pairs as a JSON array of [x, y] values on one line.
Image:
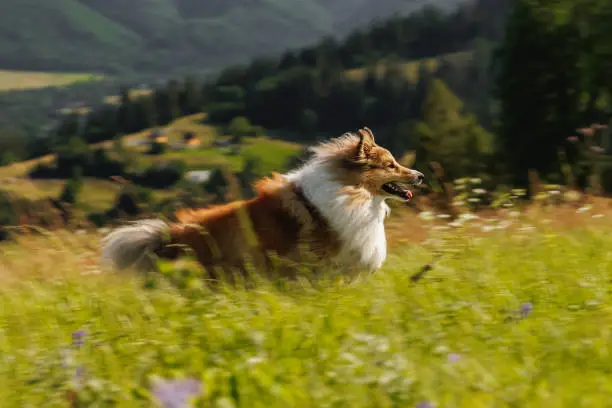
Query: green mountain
[[172, 35]]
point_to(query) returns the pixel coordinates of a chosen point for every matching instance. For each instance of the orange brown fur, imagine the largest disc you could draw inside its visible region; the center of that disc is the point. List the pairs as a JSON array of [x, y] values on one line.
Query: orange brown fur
[[290, 214], [280, 220]]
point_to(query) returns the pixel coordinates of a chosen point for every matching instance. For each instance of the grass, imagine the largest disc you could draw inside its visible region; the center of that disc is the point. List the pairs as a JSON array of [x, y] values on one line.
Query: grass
[[510, 317], [272, 154], [95, 195], [411, 68], [22, 80], [98, 195]]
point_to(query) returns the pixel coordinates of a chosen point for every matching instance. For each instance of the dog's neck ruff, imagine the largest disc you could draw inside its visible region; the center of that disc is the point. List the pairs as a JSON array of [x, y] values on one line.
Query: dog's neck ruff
[[360, 226]]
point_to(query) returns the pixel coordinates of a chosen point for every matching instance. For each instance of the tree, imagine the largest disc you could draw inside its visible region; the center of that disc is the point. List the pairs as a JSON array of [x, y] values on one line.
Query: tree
[[539, 84], [238, 128], [448, 136], [125, 114], [72, 187], [308, 123]]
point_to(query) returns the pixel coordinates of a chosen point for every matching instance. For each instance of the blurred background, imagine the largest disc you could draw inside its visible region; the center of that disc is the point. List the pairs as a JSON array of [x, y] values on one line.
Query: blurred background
[[496, 288], [111, 109]]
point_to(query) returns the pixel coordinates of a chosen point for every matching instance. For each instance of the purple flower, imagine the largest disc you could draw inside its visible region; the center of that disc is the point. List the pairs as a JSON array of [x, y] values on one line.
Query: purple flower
[[425, 404], [526, 308], [78, 338], [79, 377], [454, 357], [176, 393], [572, 139]]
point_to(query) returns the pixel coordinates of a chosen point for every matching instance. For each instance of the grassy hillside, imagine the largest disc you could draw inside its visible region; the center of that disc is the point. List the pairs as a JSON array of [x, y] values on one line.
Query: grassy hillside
[[411, 68], [98, 195], [513, 318], [168, 35], [23, 80]]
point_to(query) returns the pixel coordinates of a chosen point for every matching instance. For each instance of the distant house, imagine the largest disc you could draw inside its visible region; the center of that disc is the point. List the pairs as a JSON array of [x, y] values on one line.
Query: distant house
[[158, 136], [191, 140], [198, 176]]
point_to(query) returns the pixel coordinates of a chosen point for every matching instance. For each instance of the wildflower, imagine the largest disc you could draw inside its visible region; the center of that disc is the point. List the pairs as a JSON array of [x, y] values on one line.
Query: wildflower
[[66, 358], [572, 139], [468, 217], [443, 216], [504, 224], [79, 377], [583, 209], [586, 131], [479, 191], [526, 308], [176, 393], [425, 404], [454, 357], [455, 224], [78, 338], [597, 149], [426, 215]]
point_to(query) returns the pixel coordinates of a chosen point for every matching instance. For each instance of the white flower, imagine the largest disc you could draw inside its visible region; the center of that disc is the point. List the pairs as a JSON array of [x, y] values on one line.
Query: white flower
[[468, 217], [479, 191], [504, 224], [426, 215], [584, 209]]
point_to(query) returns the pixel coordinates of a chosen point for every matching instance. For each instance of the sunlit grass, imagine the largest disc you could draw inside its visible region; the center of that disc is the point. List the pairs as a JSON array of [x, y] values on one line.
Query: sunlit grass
[[513, 315], [411, 68], [22, 80]]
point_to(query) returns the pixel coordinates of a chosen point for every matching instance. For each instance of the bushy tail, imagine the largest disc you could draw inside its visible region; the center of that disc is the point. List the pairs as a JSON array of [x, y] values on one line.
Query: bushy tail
[[133, 245]]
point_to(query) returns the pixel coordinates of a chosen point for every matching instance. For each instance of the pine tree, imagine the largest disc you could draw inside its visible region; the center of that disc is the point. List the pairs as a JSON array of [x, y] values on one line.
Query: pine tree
[[539, 85], [450, 137], [72, 187]]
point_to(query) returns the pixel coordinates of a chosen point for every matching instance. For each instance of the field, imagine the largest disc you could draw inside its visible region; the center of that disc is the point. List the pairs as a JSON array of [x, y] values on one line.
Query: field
[[23, 80], [515, 313], [98, 195], [411, 69]]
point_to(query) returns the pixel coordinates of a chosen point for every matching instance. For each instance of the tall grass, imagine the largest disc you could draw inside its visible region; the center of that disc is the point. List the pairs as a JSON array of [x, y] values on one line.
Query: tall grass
[[507, 317]]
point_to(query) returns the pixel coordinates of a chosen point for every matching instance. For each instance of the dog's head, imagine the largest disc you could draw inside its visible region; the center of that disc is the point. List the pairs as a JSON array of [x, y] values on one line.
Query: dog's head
[[360, 162]]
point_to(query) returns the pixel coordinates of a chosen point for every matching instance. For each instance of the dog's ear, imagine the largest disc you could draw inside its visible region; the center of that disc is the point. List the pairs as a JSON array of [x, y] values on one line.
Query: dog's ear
[[366, 143]]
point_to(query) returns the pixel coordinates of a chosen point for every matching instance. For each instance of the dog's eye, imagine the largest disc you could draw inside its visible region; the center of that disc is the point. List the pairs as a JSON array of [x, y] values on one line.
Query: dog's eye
[[391, 165]]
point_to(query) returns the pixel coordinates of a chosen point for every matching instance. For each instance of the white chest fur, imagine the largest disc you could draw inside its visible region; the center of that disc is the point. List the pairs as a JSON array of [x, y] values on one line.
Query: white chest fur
[[360, 226]]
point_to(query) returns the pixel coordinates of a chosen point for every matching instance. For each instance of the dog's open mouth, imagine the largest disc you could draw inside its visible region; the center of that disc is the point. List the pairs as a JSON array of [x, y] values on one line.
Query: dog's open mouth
[[398, 189]]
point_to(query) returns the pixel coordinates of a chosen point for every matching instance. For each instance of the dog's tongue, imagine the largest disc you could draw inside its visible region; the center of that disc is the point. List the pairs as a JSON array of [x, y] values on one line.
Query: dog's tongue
[[408, 195]]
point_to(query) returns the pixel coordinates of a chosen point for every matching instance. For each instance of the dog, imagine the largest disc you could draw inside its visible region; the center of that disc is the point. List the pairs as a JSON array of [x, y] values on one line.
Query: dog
[[333, 207]]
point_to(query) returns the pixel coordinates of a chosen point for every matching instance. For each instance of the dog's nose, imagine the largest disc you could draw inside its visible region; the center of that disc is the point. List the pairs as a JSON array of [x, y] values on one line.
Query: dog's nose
[[420, 177]]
